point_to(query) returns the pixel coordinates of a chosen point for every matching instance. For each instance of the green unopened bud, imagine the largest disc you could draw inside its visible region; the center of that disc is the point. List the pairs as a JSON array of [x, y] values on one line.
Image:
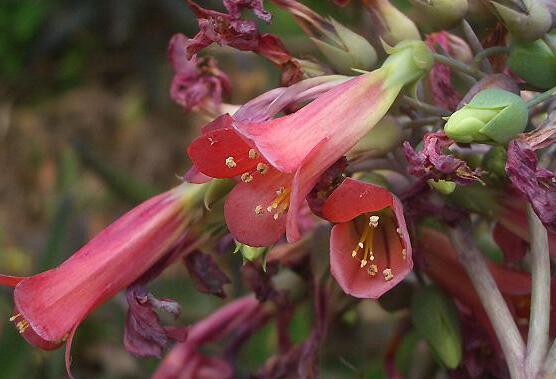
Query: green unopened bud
[[445, 187], [492, 116], [534, 62], [434, 316], [249, 253], [217, 190], [346, 50], [527, 20], [441, 14], [382, 139], [407, 62], [494, 162], [392, 25]]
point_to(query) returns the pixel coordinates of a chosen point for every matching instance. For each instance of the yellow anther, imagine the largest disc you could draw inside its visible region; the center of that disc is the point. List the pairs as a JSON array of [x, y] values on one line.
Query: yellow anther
[[361, 245], [258, 210], [372, 270], [388, 274], [253, 154], [373, 221], [230, 162], [262, 168], [363, 263], [246, 177], [354, 253], [14, 317]]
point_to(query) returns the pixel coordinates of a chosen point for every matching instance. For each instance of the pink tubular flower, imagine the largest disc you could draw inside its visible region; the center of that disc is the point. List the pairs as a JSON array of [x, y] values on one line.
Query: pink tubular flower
[[279, 161], [370, 250], [50, 306], [185, 361]]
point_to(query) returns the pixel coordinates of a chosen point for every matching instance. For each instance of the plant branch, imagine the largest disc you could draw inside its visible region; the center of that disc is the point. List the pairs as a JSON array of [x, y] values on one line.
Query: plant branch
[[537, 340], [428, 108], [475, 45], [496, 308], [457, 65], [541, 97], [495, 50]]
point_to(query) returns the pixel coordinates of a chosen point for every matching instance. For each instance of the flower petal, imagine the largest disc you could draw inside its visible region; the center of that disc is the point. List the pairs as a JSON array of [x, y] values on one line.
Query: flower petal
[[286, 141], [353, 198], [246, 212], [351, 277], [222, 153], [54, 302]]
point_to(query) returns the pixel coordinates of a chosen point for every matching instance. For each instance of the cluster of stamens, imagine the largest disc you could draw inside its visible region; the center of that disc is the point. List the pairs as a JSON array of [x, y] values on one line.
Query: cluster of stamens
[[21, 325], [365, 248], [247, 177], [279, 205]]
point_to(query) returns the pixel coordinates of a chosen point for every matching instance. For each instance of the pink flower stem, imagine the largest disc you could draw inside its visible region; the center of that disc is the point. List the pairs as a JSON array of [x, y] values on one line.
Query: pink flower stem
[[537, 340], [496, 308]]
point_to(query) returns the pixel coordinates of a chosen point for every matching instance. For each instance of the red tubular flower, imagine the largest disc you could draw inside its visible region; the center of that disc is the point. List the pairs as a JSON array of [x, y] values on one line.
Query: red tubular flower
[[281, 160], [49, 306], [275, 178], [370, 250]]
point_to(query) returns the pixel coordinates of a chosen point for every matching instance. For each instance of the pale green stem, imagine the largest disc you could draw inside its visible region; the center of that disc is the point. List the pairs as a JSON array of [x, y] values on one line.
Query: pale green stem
[[496, 308], [428, 108], [457, 65], [541, 97], [537, 340], [495, 50], [475, 45]]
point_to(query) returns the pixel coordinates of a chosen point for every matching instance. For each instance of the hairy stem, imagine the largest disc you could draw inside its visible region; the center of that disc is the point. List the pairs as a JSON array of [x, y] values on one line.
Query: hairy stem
[[537, 340], [496, 308]]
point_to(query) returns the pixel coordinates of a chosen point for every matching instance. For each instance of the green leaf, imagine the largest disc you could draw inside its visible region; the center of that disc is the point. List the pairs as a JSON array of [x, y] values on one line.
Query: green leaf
[[435, 318]]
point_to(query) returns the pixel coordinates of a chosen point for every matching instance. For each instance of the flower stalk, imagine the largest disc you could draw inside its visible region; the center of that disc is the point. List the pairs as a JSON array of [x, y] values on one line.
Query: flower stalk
[[537, 340], [496, 308]]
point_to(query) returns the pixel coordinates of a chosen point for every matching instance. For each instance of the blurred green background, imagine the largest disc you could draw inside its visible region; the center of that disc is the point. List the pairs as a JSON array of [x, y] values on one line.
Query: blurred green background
[[87, 130]]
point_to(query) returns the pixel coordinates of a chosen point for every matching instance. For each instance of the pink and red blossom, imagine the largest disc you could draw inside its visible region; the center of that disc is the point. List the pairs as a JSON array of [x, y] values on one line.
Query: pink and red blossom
[[370, 249]]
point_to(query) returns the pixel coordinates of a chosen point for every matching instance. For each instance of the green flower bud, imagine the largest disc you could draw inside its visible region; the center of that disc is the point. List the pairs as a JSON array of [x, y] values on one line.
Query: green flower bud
[[392, 25], [492, 116], [441, 14], [346, 49], [495, 162], [249, 253], [382, 139], [435, 317], [407, 62], [445, 187], [527, 21], [534, 62], [217, 190]]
